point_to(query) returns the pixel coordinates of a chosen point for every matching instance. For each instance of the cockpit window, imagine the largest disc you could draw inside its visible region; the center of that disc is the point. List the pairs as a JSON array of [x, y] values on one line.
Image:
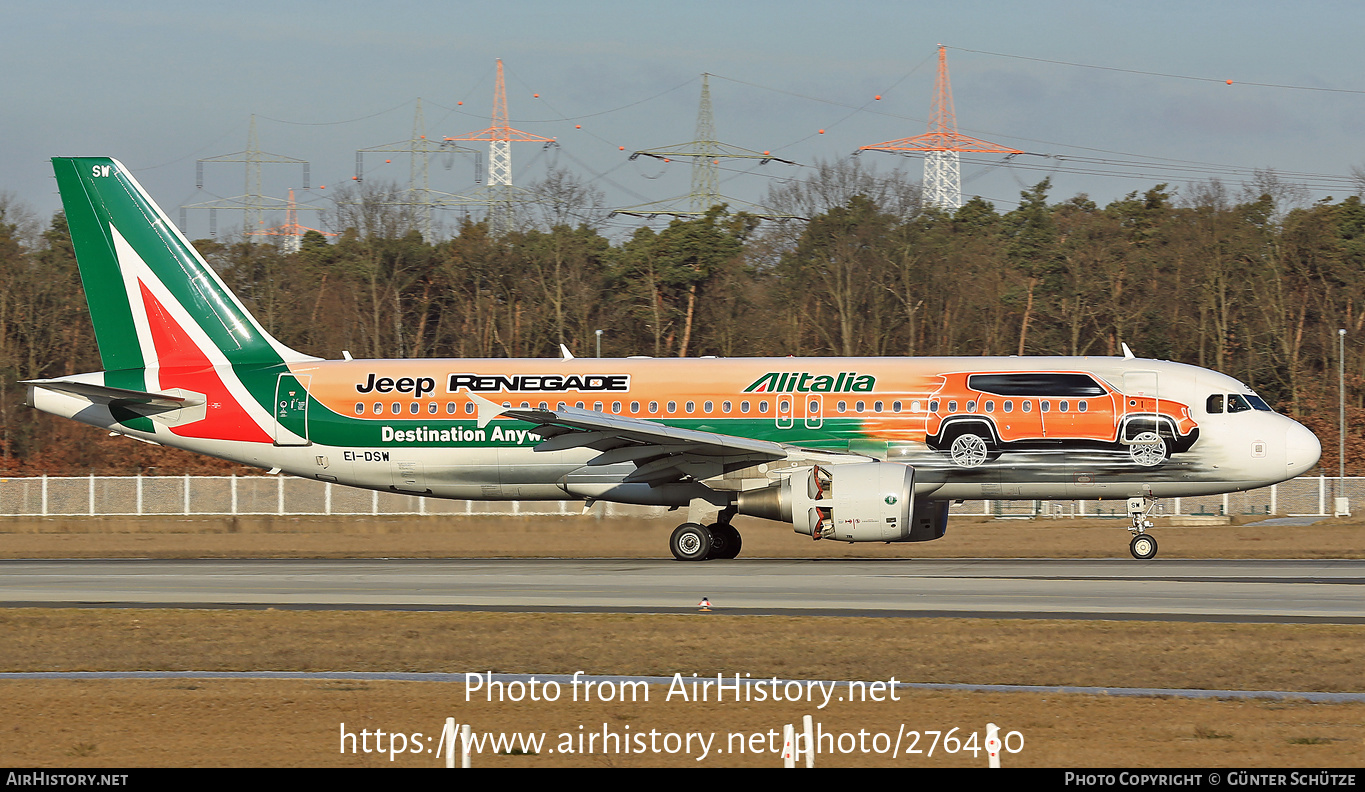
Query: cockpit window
[[1257, 403], [1237, 403], [1214, 405]]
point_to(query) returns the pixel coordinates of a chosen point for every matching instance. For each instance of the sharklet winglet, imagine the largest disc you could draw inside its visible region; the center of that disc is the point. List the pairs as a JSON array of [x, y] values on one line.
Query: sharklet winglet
[[488, 410]]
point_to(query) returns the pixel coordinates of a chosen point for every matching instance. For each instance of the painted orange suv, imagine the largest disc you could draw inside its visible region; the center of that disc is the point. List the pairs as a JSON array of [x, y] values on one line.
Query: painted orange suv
[[975, 416]]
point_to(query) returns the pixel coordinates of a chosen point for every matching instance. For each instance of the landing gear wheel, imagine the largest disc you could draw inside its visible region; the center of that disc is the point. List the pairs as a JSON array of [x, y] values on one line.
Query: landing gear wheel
[[1148, 449], [690, 542], [1143, 547], [725, 540], [969, 450]]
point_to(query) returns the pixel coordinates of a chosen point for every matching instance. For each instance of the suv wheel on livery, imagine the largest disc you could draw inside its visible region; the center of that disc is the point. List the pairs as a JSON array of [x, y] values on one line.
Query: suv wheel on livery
[[969, 450], [1147, 449]]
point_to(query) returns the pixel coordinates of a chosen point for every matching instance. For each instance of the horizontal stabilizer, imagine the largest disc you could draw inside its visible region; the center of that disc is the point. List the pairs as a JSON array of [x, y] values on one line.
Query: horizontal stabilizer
[[103, 394]]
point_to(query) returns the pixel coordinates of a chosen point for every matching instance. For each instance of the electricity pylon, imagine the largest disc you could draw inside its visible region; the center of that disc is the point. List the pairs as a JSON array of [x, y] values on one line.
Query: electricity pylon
[[499, 194], [942, 145], [706, 153], [292, 231], [420, 197], [252, 203]]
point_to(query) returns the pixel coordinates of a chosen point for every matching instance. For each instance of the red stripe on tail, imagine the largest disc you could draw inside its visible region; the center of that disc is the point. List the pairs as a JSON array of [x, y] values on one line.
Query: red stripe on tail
[[184, 365]]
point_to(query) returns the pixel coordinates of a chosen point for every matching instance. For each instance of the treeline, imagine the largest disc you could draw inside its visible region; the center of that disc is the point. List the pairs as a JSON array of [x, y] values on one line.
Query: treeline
[[1250, 281]]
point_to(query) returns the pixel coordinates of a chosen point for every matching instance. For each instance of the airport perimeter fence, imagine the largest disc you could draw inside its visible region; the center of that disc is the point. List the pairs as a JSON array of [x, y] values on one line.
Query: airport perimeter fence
[[210, 496]]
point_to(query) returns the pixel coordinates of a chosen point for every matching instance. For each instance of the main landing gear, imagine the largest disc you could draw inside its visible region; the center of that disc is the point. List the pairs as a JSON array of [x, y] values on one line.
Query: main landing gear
[[1143, 546], [697, 542]]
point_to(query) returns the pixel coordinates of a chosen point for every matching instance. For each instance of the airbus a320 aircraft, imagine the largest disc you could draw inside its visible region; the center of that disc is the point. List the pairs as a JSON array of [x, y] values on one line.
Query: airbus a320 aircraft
[[841, 449]]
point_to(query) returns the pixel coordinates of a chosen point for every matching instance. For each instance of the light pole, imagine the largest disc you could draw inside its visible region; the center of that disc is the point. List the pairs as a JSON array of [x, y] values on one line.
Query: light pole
[[1343, 506], [599, 342]]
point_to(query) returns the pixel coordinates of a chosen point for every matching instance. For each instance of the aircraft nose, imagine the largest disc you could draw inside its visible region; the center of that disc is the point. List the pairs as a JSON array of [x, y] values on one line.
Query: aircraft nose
[[1301, 449]]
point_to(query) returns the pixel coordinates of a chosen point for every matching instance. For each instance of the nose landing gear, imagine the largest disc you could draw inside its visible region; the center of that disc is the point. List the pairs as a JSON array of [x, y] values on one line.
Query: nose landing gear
[[1143, 546]]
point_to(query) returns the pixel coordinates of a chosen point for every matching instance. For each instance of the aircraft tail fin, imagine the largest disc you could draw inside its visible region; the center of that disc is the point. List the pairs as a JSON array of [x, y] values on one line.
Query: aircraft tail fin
[[154, 301]]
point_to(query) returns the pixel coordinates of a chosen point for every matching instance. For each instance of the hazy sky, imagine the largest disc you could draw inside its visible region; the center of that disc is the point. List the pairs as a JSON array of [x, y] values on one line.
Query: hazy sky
[[159, 85]]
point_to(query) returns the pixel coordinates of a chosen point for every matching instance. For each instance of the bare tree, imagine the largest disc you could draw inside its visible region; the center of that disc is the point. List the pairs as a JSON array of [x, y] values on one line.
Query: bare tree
[[564, 199], [1286, 196]]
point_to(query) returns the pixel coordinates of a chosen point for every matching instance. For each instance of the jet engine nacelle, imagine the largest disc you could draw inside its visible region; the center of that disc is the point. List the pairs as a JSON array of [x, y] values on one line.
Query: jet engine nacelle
[[862, 502]]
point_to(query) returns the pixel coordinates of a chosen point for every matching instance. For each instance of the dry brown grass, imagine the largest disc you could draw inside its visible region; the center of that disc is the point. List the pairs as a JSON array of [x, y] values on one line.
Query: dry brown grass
[[978, 651], [208, 723]]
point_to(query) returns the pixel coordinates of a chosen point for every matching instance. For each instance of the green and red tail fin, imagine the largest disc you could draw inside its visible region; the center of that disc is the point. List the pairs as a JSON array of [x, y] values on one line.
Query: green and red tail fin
[[143, 279], [163, 319]]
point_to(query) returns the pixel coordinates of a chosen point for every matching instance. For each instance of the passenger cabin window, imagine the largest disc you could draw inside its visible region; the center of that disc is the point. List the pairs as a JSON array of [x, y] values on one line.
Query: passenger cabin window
[[708, 407], [744, 407], [725, 407], [450, 407], [1046, 405], [1062, 406], [952, 405], [763, 407], [469, 407], [990, 406], [1027, 405], [1214, 405], [360, 408], [1009, 406], [634, 407], [653, 407], [1080, 405], [431, 408], [672, 407]]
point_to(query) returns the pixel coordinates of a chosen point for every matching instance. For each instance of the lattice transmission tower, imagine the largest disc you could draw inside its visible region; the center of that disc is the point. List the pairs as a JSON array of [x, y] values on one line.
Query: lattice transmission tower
[[253, 203], [420, 198], [706, 153], [499, 195], [292, 231], [941, 146]]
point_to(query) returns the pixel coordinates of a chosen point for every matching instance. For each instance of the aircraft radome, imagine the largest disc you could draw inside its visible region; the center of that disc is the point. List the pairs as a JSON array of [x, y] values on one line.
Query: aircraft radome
[[841, 449]]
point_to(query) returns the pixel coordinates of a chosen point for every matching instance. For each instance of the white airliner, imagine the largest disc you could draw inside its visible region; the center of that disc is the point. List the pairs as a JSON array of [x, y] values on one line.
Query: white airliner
[[841, 449]]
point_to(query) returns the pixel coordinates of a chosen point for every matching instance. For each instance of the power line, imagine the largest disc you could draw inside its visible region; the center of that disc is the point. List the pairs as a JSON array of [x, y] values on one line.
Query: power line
[[1162, 74]]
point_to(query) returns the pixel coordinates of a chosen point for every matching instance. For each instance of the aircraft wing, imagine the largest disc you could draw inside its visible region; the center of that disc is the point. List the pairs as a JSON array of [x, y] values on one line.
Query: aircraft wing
[[661, 453]]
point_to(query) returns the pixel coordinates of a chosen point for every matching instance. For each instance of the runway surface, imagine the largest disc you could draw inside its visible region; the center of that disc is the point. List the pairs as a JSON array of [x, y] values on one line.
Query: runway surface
[[1327, 591]]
